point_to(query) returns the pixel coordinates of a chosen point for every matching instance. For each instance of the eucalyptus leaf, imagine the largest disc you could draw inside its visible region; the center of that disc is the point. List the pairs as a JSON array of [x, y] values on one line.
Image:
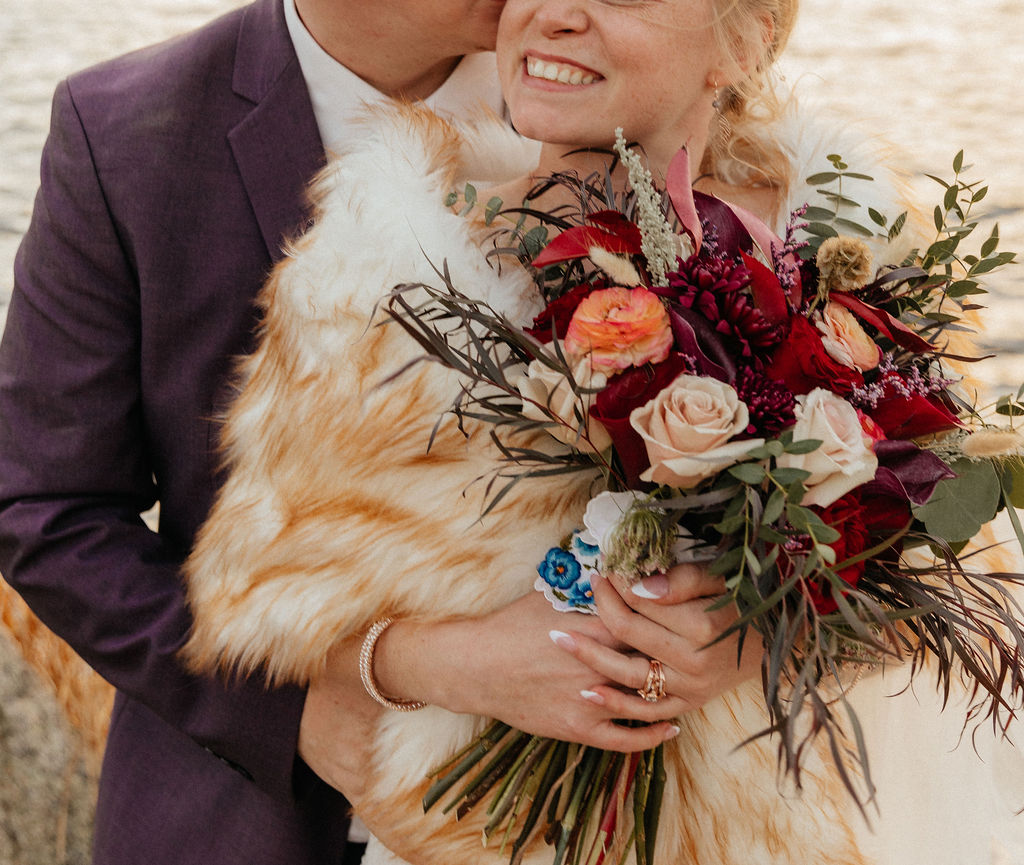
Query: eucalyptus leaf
[[787, 477], [748, 473], [774, 507], [823, 178], [1012, 472], [769, 450], [898, 225], [492, 209], [818, 214], [820, 229], [989, 246], [960, 506], [856, 228], [837, 198], [802, 446]]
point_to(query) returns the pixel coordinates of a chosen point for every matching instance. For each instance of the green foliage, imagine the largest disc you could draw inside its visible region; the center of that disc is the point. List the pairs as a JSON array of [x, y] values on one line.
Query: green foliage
[[827, 221], [960, 506]]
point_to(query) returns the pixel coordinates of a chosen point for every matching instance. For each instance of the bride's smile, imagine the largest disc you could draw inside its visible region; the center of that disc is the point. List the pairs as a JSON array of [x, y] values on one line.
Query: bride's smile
[[559, 71], [575, 70]]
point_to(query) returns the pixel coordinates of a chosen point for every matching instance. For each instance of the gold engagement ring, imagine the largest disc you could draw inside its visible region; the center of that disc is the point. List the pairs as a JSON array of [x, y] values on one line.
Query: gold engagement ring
[[654, 688]]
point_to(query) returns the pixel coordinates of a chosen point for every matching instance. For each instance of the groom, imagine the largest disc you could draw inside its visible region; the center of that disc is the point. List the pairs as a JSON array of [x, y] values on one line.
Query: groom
[[170, 181]]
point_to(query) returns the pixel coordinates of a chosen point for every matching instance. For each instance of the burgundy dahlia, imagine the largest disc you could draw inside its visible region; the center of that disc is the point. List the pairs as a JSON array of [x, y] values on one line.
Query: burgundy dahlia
[[770, 403], [718, 288]]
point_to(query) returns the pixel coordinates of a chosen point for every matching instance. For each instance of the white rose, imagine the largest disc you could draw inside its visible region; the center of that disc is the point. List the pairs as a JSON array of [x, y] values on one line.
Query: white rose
[[606, 509], [844, 460], [687, 430], [544, 386], [602, 515]]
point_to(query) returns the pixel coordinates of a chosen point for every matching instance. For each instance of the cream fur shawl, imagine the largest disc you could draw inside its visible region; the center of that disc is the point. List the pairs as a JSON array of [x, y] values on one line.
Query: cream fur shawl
[[334, 513]]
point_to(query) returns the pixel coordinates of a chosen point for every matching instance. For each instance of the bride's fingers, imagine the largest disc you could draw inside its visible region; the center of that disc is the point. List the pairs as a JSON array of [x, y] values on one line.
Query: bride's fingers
[[626, 704], [686, 582], [660, 631], [682, 692], [629, 740]]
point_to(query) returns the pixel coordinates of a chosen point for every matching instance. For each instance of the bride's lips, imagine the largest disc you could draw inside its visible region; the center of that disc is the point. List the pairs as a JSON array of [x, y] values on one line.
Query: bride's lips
[[558, 71]]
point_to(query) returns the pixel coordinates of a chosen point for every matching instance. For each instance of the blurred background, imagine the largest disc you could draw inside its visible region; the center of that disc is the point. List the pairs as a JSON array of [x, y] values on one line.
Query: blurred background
[[929, 76]]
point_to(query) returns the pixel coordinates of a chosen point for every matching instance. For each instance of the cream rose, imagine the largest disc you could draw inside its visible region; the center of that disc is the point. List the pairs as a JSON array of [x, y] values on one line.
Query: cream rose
[[544, 386], [844, 460], [845, 340], [687, 430]]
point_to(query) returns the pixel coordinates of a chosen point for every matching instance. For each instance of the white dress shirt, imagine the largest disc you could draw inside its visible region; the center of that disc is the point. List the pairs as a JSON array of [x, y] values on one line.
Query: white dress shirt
[[339, 95]]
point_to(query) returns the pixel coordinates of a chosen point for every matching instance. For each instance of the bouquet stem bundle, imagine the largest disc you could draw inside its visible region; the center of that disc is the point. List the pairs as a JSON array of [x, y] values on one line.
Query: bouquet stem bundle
[[590, 805]]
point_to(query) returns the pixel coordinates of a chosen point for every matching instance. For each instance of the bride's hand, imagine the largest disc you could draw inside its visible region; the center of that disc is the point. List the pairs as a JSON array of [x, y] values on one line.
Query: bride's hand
[[666, 617], [507, 665]]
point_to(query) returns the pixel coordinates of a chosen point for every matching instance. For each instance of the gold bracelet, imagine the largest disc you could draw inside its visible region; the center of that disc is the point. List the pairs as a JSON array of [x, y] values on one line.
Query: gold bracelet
[[366, 670]]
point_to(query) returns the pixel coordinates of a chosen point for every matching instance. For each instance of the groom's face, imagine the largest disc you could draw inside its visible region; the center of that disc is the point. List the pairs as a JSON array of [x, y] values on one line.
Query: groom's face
[[455, 26]]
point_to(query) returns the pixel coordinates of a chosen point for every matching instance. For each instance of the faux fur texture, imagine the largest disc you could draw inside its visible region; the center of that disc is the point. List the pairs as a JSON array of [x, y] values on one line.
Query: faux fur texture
[[335, 514]]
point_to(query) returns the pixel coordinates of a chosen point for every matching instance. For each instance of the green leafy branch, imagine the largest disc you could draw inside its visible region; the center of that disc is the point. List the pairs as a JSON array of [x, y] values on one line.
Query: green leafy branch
[[825, 221]]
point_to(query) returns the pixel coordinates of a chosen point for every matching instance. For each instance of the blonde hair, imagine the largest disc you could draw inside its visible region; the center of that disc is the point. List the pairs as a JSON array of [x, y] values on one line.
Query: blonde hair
[[742, 149]]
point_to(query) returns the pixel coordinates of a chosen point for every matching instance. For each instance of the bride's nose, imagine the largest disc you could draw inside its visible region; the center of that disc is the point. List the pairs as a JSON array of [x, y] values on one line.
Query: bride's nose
[[559, 17]]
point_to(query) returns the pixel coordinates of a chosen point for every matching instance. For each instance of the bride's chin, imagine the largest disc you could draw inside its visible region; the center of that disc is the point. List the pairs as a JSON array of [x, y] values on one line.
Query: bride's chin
[[557, 131]]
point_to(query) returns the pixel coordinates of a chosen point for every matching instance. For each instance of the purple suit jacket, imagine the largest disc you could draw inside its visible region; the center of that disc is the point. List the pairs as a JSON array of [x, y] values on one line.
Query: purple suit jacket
[[169, 180]]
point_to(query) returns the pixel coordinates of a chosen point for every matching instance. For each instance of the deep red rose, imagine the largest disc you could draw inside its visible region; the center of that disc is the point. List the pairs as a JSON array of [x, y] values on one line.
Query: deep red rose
[[846, 516], [555, 317], [908, 417], [803, 364], [884, 516], [625, 392]]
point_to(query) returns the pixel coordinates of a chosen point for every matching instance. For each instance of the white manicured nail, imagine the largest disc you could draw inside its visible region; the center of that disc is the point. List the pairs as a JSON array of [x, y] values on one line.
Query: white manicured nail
[[651, 588], [593, 696], [562, 640]]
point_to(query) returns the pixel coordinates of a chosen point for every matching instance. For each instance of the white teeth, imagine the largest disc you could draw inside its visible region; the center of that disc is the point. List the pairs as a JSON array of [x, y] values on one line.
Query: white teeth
[[556, 72]]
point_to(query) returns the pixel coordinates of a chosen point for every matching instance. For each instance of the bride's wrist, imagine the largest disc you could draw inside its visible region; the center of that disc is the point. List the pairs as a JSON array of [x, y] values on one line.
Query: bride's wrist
[[426, 662]]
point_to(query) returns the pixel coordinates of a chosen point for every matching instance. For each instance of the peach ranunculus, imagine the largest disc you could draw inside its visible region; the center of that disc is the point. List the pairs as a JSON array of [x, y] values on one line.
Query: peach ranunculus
[[688, 430], [545, 386], [845, 340], [618, 328], [844, 460]]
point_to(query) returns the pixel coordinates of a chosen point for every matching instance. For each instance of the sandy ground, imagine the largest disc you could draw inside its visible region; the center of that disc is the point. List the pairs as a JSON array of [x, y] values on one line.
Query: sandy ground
[[46, 791]]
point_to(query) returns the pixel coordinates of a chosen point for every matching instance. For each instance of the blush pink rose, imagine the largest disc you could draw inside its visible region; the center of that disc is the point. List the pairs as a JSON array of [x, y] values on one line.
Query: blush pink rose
[[548, 395], [618, 328], [845, 340], [688, 430], [844, 460]]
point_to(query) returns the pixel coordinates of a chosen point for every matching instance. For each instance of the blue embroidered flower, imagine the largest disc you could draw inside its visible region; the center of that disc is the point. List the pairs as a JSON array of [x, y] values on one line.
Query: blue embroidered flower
[[579, 594], [559, 568], [582, 548]]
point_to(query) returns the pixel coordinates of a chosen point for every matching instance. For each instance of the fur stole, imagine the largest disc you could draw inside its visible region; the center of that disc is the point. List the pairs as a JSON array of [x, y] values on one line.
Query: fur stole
[[336, 514]]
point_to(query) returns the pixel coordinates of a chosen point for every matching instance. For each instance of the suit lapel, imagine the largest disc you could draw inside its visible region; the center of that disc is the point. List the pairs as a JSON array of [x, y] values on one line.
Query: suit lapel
[[277, 145]]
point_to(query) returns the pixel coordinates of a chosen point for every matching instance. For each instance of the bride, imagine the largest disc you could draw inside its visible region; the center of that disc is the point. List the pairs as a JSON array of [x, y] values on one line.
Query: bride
[[338, 530]]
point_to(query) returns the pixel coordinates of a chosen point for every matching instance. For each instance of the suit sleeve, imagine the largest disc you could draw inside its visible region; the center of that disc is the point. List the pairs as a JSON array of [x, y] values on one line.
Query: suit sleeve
[[76, 474]]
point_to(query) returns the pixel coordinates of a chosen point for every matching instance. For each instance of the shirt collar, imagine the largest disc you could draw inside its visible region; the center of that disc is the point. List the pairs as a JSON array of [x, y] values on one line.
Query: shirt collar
[[339, 95]]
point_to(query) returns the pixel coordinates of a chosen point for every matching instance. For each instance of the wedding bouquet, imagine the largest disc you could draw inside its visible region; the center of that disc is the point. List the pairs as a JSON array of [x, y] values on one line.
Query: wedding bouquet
[[778, 408]]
